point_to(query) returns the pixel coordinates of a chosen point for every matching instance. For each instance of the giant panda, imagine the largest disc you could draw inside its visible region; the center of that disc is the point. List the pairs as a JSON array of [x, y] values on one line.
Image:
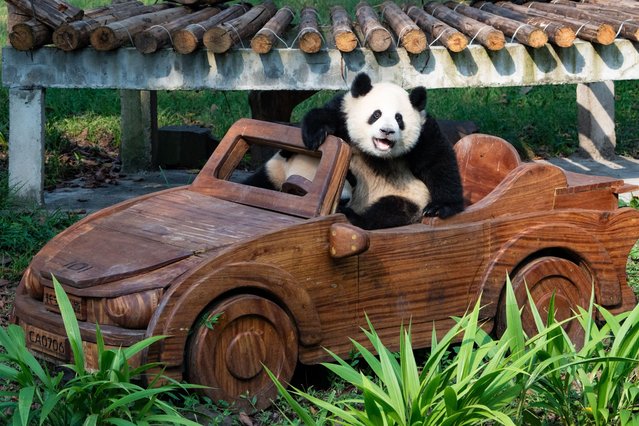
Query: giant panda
[[402, 167]]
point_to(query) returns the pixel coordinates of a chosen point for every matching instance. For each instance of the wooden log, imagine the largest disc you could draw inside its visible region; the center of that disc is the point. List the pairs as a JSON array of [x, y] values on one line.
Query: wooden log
[[263, 41], [601, 34], [201, 2], [120, 33], [487, 36], [187, 39], [374, 35], [558, 34], [15, 16], [524, 33], [440, 31], [221, 38], [608, 11], [409, 35], [29, 35], [614, 3], [158, 36], [343, 34], [53, 13], [310, 38], [627, 30], [75, 35]]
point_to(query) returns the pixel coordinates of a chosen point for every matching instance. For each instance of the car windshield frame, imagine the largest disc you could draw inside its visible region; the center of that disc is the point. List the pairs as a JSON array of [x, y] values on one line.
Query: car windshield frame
[[323, 193]]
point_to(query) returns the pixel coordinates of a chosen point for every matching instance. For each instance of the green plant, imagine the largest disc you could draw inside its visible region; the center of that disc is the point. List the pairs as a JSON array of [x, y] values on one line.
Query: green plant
[[108, 395], [479, 384]]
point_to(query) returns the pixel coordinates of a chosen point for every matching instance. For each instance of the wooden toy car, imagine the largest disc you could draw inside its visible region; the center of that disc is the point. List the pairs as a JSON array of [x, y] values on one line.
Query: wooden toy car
[[240, 277]]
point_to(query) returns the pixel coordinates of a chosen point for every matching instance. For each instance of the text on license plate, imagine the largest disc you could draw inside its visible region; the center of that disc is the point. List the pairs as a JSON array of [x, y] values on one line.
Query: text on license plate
[[48, 343]]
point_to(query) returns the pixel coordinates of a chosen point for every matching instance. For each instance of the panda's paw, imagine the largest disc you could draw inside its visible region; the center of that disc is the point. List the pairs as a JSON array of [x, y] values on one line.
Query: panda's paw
[[313, 138], [442, 210]]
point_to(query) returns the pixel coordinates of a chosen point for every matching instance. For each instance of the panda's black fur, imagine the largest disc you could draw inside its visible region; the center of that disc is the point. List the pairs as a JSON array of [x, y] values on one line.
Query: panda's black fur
[[396, 179]]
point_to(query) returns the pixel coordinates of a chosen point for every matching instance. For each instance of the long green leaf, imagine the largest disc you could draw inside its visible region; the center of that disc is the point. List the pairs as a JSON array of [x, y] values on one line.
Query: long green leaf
[[24, 404], [70, 325]]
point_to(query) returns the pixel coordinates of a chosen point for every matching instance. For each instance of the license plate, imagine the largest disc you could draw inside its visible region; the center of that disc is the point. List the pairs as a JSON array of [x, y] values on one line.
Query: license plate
[[77, 303], [49, 343]]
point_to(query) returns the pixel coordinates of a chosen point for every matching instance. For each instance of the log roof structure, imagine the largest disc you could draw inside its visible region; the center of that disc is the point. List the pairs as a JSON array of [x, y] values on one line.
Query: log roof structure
[[219, 26]]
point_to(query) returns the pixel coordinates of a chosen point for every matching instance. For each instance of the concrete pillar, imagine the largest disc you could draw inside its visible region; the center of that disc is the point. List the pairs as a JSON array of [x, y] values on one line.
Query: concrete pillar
[[596, 119], [26, 143], [138, 125]]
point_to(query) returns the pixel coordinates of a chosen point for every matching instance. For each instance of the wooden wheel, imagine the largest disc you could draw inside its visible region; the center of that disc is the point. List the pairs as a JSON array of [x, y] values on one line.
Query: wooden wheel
[[545, 277], [228, 354]]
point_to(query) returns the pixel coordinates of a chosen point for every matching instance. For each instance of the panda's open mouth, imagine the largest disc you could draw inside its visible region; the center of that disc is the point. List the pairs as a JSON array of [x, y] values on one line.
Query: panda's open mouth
[[383, 144]]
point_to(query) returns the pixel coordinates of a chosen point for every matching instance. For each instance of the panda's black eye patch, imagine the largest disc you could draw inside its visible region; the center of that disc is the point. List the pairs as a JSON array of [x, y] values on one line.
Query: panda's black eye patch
[[375, 116], [400, 120]]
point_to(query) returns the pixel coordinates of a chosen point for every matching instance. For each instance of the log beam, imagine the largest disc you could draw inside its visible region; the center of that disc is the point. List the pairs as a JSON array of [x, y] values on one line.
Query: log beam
[[487, 36], [410, 36], [345, 38], [189, 38], [221, 38]]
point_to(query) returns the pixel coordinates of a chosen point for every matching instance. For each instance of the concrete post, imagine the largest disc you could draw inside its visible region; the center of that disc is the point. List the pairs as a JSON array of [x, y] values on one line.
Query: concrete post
[[26, 143], [138, 124], [596, 119]]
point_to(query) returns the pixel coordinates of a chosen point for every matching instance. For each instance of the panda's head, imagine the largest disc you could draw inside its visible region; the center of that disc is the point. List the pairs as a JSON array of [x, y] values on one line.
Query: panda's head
[[383, 120]]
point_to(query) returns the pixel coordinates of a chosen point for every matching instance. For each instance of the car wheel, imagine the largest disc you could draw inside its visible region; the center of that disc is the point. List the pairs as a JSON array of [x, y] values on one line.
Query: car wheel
[[545, 277], [231, 344]]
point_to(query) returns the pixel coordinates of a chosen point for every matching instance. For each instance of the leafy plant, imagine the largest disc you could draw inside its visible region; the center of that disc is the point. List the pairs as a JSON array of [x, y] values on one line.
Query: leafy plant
[[109, 395], [479, 384], [516, 379]]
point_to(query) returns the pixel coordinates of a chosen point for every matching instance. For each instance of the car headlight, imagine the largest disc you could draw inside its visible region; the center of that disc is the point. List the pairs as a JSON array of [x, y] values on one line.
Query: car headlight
[[32, 284], [133, 310]]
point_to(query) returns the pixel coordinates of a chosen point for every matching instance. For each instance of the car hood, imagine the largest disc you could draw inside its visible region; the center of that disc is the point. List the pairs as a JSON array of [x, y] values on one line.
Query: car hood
[[153, 232]]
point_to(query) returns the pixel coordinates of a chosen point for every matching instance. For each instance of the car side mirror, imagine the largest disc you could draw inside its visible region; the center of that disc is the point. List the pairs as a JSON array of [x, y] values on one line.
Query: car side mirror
[[347, 240]]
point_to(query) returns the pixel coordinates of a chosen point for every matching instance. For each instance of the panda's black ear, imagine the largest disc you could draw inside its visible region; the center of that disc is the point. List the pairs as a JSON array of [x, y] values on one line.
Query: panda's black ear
[[361, 85], [418, 98]]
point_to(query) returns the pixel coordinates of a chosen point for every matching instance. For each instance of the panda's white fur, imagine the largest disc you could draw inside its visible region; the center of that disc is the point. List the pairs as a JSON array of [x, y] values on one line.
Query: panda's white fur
[[389, 99], [371, 186], [280, 168]]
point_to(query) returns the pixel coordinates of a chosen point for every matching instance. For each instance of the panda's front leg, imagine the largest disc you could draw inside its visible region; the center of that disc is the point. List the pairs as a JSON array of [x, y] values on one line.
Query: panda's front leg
[[317, 124]]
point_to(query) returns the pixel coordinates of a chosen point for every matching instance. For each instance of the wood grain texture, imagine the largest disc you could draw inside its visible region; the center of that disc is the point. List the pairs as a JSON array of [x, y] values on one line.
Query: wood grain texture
[[342, 29], [222, 37], [448, 36], [310, 37], [234, 342], [409, 35], [558, 33], [373, 34], [267, 37], [189, 38], [524, 33], [487, 36]]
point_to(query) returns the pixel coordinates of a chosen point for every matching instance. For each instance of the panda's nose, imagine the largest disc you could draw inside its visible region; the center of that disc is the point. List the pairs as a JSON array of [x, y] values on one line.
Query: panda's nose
[[387, 131]]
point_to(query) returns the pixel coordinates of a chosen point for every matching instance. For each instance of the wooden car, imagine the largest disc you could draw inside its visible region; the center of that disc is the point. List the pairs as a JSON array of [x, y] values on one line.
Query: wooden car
[[239, 277]]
